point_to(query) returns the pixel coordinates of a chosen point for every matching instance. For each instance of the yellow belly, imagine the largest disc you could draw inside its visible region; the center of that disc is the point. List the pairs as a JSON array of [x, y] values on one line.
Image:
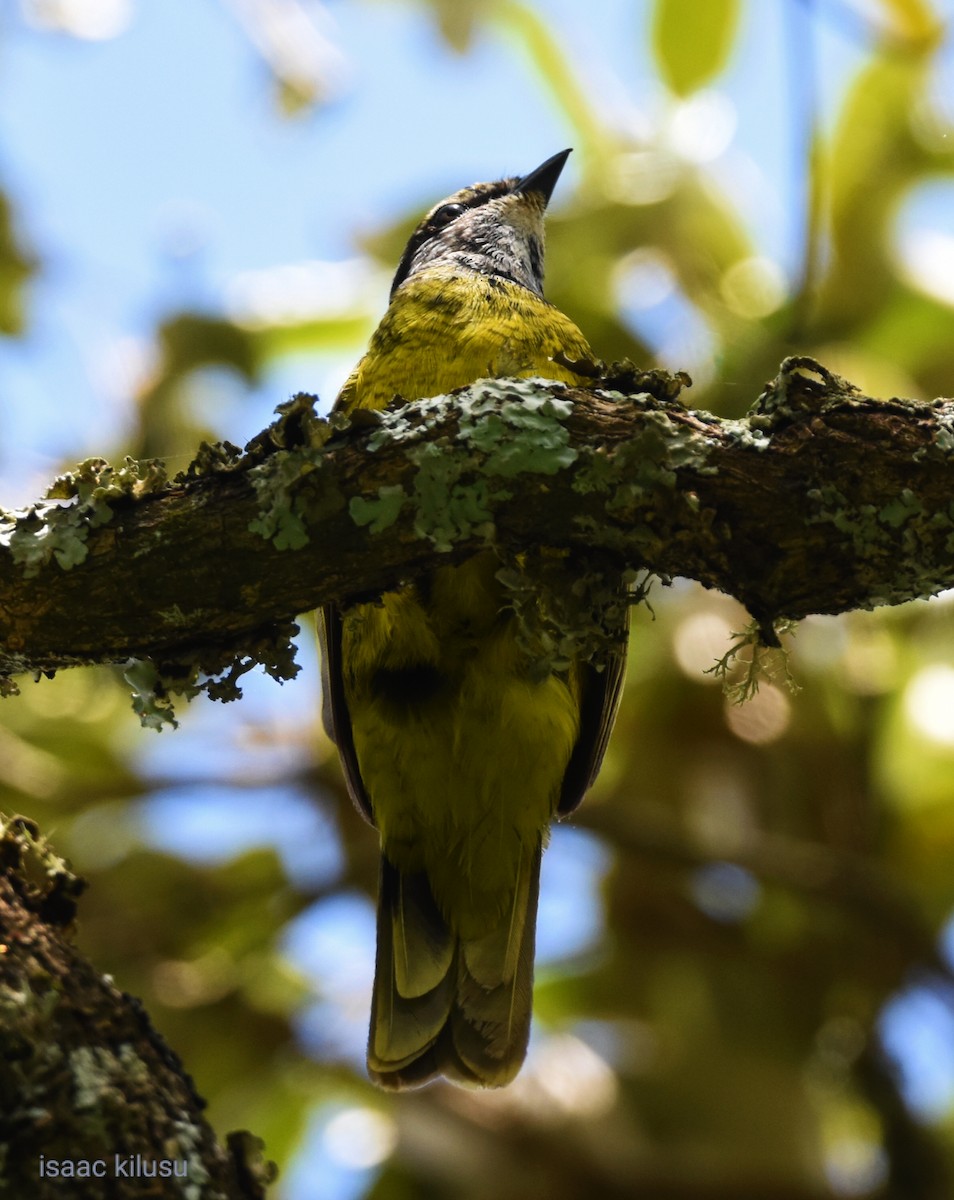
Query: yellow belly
[[462, 754], [444, 330]]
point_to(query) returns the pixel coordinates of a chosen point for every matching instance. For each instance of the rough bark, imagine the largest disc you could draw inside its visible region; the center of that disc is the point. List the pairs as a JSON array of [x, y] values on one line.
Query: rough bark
[[93, 1104], [820, 500]]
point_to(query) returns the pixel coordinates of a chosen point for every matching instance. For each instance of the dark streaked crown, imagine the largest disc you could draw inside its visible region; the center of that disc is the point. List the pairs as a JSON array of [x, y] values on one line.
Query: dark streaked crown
[[492, 228]]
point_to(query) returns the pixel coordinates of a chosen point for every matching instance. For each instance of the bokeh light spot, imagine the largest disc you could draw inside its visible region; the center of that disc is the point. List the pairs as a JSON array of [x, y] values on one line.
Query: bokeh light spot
[[762, 719], [929, 703], [360, 1138], [700, 640]]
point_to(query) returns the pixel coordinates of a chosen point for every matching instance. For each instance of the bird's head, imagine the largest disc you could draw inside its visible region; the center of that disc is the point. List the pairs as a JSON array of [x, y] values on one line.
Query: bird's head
[[494, 228]]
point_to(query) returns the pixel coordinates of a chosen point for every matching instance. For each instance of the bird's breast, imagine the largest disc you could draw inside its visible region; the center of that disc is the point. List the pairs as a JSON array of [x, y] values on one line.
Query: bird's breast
[[444, 330]]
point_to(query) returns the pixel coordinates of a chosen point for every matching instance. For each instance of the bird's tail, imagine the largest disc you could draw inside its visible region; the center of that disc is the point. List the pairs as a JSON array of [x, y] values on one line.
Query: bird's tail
[[447, 1004]]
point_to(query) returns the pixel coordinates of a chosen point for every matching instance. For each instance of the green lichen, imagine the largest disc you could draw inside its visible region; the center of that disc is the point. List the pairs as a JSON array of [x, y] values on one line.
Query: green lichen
[[46, 881], [802, 385], [212, 458], [942, 444], [861, 523], [942, 520], [53, 531], [519, 431], [190, 1139], [749, 433], [174, 617], [897, 530], [149, 698], [275, 484], [644, 465], [901, 509], [379, 512], [213, 670], [597, 474], [96, 1075], [749, 662], [287, 504], [298, 427], [568, 608], [95, 482], [643, 468], [640, 478], [449, 505], [510, 430], [403, 423], [873, 529]]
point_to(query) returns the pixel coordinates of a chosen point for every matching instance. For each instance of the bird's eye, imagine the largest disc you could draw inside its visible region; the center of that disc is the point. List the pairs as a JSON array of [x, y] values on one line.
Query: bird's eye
[[445, 214]]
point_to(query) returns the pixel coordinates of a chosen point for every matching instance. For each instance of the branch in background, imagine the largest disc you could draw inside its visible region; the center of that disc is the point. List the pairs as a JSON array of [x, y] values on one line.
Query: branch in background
[[82, 1067]]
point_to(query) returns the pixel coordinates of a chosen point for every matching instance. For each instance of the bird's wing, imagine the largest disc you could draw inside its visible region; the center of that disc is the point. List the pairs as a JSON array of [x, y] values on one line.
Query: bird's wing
[[334, 707], [599, 703]]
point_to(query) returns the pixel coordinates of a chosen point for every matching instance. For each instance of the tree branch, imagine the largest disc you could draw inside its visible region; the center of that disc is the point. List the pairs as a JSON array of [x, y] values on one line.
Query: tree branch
[[820, 500], [92, 1101]]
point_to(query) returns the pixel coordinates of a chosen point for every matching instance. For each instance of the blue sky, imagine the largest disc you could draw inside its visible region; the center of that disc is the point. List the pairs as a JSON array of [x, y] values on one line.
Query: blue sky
[[120, 153]]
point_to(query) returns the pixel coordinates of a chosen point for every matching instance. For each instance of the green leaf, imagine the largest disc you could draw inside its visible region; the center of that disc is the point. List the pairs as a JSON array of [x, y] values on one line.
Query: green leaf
[[692, 40], [914, 20], [874, 138]]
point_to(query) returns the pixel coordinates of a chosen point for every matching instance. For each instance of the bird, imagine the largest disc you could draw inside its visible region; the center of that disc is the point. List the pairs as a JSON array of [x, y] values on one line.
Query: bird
[[451, 745]]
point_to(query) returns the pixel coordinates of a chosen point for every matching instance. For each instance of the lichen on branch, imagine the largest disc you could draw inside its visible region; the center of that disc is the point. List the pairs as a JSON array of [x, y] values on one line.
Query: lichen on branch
[[820, 499]]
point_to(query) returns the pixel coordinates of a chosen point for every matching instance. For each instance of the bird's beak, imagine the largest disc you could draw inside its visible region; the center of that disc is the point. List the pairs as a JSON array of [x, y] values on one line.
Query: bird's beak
[[543, 179]]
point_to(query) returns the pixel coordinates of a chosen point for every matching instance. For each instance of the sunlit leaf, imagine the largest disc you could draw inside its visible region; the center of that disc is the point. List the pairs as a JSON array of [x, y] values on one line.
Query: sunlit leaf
[[190, 340], [692, 41], [874, 140], [457, 20], [17, 265], [915, 20]]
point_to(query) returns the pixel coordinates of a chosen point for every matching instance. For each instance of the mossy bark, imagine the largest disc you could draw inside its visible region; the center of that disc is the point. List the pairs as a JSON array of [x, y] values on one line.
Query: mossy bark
[[93, 1104], [820, 500]]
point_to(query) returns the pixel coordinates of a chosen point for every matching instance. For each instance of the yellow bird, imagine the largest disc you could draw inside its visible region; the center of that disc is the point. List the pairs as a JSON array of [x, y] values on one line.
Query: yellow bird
[[451, 746]]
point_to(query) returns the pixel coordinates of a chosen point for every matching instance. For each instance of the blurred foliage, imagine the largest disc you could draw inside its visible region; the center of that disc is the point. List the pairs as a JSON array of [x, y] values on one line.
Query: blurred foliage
[[687, 63], [17, 265], [780, 874]]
